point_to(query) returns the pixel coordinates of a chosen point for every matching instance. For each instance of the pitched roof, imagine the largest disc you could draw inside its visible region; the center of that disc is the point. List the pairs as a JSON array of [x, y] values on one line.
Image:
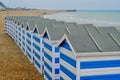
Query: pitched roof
[[105, 42], [56, 30], [81, 41], [88, 38], [106, 33], [56, 33]]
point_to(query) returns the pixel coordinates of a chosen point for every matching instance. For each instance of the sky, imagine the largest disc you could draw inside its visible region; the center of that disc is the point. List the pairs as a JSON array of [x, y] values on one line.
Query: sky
[[65, 4]]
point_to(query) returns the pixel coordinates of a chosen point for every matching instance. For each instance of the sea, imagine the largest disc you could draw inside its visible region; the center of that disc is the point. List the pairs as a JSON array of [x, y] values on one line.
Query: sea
[[97, 17]]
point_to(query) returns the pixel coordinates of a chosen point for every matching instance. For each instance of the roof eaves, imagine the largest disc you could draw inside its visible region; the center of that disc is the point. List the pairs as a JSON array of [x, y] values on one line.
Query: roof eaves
[[98, 54]]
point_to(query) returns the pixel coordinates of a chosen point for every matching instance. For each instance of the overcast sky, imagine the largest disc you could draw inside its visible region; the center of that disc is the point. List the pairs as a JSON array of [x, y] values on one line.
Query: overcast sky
[[65, 4]]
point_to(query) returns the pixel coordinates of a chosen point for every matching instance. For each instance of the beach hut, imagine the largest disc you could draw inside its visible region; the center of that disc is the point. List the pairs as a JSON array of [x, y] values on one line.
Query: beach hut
[[16, 30], [38, 43], [37, 49], [6, 23], [23, 37], [13, 24], [16, 25], [29, 42], [12, 27], [9, 27], [84, 57], [19, 32], [51, 37]]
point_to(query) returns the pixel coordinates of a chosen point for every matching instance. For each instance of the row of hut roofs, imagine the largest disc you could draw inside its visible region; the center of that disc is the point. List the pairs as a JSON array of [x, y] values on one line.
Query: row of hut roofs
[[66, 50]]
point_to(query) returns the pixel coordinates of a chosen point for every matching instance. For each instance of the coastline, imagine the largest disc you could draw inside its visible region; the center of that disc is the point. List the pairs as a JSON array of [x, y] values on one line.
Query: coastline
[[96, 17]]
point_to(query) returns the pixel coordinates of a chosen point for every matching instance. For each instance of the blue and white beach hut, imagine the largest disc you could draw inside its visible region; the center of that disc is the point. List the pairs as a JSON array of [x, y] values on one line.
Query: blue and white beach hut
[[23, 37], [19, 33], [6, 23], [38, 44], [51, 52], [13, 24], [29, 50], [83, 57], [38, 47], [16, 30], [12, 28], [29, 35]]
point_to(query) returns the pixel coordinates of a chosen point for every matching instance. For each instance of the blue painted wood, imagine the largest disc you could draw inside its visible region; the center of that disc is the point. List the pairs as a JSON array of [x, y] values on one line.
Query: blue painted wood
[[37, 55], [99, 64], [23, 49], [20, 44], [49, 47], [23, 31], [28, 48], [36, 39], [67, 72], [101, 77], [56, 60], [68, 59], [46, 36], [36, 47], [65, 45], [61, 78], [37, 63], [48, 66], [19, 29], [56, 49], [28, 54], [47, 75], [28, 41], [19, 34], [19, 39], [57, 71], [23, 37], [36, 31], [29, 35], [47, 56], [23, 43]]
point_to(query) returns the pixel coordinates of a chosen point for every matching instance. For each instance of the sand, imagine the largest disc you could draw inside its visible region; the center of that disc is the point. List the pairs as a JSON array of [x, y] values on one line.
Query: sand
[[13, 64]]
